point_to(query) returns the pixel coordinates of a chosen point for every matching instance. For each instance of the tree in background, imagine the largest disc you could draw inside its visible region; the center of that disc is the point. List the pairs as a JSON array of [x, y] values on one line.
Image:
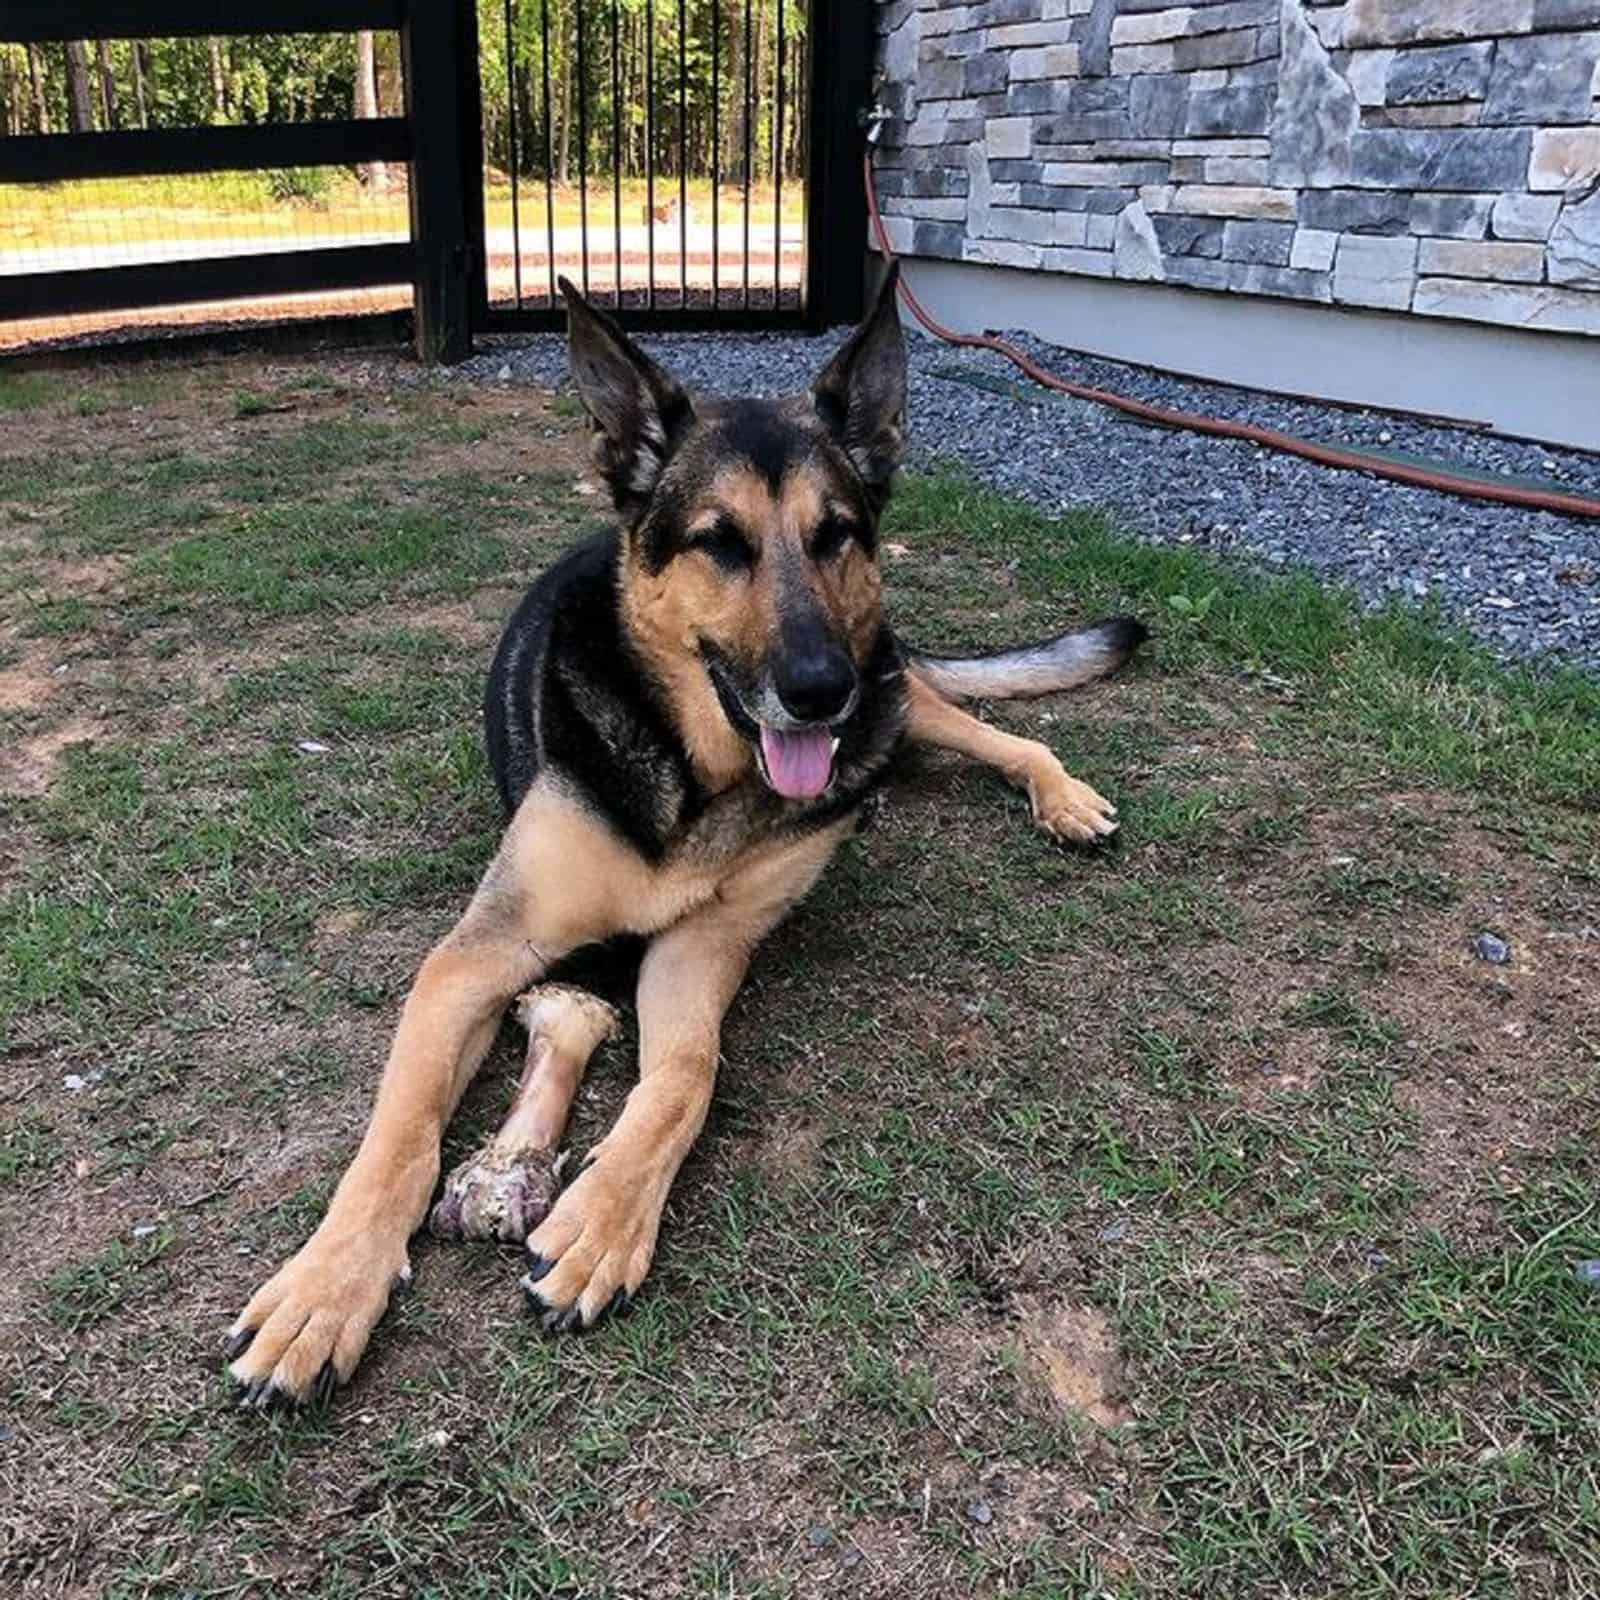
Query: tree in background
[[678, 113], [219, 82], [181, 83], [80, 110], [39, 77], [523, 47], [374, 174], [108, 85], [140, 99]]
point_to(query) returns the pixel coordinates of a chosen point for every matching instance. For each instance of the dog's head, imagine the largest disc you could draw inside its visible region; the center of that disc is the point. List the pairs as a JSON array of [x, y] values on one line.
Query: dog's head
[[750, 531]]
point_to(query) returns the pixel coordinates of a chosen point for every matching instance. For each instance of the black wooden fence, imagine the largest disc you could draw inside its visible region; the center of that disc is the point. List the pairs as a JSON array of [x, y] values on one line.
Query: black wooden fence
[[441, 138]]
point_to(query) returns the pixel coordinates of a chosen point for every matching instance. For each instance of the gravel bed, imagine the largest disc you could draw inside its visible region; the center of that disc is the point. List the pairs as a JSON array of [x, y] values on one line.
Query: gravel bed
[[1525, 582]]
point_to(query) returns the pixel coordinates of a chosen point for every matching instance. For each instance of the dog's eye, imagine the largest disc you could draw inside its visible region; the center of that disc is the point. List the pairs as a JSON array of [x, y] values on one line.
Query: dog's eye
[[831, 538], [727, 547]]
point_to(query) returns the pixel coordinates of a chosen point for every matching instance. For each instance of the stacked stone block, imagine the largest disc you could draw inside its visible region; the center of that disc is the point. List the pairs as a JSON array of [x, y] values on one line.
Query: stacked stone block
[[1436, 156]]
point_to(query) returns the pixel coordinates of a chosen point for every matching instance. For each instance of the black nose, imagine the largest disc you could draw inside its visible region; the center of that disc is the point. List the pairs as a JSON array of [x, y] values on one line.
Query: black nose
[[815, 684]]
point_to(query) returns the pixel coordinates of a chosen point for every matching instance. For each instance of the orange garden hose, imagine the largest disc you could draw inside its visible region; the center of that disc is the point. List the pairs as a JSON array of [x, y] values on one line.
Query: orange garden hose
[[1325, 455]]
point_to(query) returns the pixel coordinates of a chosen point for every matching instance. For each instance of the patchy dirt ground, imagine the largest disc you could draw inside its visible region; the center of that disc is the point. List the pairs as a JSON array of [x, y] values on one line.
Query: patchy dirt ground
[[1202, 1216]]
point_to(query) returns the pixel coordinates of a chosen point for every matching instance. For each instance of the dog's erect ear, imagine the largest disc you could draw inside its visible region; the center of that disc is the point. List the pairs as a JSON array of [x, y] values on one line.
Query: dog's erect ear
[[861, 394], [638, 411]]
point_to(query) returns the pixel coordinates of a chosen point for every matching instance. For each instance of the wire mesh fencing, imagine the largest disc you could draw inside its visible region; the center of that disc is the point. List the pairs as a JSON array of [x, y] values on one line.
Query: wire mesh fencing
[[146, 219]]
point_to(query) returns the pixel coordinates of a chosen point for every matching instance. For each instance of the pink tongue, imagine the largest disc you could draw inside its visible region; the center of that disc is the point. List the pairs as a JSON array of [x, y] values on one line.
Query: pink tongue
[[798, 764]]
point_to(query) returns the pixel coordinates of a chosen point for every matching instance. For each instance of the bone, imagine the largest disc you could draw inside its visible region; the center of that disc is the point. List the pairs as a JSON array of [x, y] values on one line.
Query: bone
[[506, 1188]]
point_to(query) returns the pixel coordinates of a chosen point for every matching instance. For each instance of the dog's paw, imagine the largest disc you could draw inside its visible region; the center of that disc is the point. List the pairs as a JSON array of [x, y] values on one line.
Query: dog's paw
[[1067, 809], [591, 1253], [304, 1330], [497, 1194]]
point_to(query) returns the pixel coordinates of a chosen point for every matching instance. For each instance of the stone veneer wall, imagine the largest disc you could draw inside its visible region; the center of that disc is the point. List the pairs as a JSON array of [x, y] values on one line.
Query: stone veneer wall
[[1434, 156]]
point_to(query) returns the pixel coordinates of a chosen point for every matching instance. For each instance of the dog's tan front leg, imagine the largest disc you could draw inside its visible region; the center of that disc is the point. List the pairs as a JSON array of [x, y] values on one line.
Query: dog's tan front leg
[[559, 880], [1062, 806], [596, 1246], [305, 1328]]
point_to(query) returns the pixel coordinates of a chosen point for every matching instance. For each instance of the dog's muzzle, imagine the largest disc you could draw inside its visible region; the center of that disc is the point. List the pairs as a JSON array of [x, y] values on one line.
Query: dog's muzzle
[[796, 756]]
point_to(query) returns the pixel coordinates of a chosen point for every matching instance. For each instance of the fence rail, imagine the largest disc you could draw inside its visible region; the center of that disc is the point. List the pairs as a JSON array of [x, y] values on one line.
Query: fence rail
[[56, 157], [176, 283], [51, 21]]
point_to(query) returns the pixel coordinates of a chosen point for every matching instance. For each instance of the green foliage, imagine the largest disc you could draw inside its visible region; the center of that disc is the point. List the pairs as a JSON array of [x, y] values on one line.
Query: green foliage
[[665, 84], [712, 126], [174, 83], [307, 185], [1196, 608]]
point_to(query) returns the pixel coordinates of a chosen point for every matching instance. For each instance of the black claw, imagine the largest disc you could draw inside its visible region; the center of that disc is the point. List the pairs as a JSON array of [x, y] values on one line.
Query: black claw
[[236, 1344], [573, 1319], [251, 1399], [327, 1382], [536, 1301], [538, 1267], [617, 1304], [555, 1320]]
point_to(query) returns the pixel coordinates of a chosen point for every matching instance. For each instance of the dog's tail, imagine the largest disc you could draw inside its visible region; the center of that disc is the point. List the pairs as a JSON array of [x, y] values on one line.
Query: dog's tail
[[1065, 662]]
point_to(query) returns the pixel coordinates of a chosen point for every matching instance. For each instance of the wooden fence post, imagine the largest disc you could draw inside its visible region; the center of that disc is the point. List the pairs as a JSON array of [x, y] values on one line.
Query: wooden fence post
[[836, 221], [434, 39]]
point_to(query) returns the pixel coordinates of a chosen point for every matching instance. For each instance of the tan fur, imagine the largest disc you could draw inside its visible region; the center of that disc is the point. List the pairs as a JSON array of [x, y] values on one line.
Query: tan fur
[[1062, 806], [668, 613], [562, 879], [559, 880], [603, 1229]]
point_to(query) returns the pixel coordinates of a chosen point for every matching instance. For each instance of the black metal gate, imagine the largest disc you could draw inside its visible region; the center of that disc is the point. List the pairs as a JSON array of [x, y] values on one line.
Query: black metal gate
[[687, 163]]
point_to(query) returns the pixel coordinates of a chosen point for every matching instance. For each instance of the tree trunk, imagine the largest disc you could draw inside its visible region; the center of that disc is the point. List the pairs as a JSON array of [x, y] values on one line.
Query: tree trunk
[[568, 67], [738, 65], [762, 80], [108, 84], [391, 84], [374, 174], [641, 148], [41, 106], [80, 105], [219, 83], [138, 84]]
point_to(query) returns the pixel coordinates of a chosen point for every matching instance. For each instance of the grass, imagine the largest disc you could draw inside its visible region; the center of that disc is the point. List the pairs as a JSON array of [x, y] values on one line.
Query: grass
[[1236, 1092], [1420, 698], [87, 213]]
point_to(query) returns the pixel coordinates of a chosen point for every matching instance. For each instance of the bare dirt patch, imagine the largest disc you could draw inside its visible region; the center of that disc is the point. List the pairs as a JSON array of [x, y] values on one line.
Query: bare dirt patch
[[28, 767], [90, 575], [29, 684], [1075, 1354]]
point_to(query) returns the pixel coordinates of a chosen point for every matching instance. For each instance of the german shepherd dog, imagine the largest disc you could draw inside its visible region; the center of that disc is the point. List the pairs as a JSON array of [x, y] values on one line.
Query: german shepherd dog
[[685, 716]]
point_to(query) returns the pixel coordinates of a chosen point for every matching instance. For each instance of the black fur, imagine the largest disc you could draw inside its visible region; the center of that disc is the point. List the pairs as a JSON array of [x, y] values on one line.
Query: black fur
[[570, 695], [758, 433], [566, 691]]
